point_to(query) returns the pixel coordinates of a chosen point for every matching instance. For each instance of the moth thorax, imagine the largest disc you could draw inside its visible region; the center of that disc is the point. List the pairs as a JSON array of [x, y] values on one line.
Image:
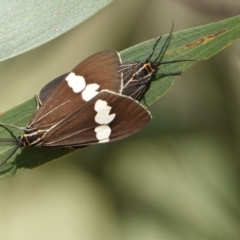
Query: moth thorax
[[150, 67], [146, 70], [32, 137]]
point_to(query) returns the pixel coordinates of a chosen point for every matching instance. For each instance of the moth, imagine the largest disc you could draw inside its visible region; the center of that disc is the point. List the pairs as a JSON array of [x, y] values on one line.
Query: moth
[[138, 75], [83, 107]]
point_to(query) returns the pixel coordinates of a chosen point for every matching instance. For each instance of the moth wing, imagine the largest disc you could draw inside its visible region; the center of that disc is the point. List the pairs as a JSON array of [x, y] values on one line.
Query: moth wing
[[48, 89], [69, 92], [106, 117]]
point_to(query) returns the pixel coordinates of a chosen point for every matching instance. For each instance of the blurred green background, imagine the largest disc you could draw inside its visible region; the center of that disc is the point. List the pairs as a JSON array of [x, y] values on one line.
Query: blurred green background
[[176, 179]]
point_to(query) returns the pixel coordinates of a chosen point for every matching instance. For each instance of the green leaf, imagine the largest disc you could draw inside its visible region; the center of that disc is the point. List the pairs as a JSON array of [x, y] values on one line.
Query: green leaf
[[194, 44], [28, 24]]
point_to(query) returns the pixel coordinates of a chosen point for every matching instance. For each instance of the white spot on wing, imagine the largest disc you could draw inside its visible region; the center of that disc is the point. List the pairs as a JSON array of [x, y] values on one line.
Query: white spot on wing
[[103, 110], [103, 117], [77, 83], [90, 91], [102, 133]]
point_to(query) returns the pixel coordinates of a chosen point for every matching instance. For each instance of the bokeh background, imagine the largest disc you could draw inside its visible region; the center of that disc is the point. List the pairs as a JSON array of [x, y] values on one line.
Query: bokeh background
[[176, 179]]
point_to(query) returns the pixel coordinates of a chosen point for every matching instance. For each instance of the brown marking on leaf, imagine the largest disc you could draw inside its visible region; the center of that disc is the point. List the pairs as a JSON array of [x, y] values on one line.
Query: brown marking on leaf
[[204, 39], [196, 42]]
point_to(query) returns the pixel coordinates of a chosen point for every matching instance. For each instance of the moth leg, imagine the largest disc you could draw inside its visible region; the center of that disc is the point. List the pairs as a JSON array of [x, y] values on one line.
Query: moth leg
[[9, 156], [12, 126], [162, 75]]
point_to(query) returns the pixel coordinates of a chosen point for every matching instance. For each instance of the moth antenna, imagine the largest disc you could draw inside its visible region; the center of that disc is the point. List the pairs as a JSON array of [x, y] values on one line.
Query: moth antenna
[[164, 48], [8, 141], [151, 53]]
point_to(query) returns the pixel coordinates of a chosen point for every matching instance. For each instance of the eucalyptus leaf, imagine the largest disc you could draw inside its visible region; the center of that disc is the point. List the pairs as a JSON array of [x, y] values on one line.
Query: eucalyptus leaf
[[28, 24]]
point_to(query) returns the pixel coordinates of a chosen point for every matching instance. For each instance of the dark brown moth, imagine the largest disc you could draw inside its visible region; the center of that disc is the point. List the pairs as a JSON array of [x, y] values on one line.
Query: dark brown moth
[[82, 108], [138, 75]]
